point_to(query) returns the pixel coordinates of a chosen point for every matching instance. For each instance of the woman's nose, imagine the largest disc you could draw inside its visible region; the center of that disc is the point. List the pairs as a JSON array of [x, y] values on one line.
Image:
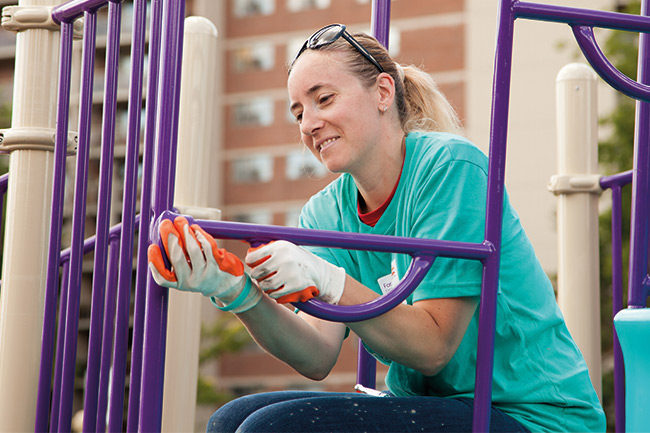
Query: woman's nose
[[310, 123]]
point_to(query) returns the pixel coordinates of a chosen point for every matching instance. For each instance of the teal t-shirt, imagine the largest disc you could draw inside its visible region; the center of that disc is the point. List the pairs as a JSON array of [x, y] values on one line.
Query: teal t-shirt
[[540, 377]]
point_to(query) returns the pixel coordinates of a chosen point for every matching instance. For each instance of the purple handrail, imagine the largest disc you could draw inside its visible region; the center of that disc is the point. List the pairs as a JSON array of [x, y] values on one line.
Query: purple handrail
[[424, 252]]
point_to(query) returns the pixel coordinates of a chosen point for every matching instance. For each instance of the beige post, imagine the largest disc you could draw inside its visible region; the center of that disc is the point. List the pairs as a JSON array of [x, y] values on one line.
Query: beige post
[[577, 188], [192, 196], [28, 213]]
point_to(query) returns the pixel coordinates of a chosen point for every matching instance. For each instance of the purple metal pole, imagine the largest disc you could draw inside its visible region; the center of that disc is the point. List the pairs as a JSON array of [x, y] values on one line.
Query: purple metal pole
[[493, 216], [638, 269], [49, 314], [103, 212], [156, 308], [56, 395], [617, 305], [81, 188], [128, 214], [145, 218], [380, 28], [380, 22], [366, 367], [107, 340]]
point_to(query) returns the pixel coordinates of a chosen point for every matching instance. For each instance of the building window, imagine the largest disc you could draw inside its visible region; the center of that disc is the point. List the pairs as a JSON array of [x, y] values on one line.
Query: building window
[[258, 57], [260, 216], [302, 164], [256, 112], [302, 5], [293, 46], [253, 169], [246, 8]]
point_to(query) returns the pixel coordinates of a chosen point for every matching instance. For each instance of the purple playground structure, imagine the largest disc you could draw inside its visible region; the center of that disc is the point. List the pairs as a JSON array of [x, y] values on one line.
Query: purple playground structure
[[45, 404]]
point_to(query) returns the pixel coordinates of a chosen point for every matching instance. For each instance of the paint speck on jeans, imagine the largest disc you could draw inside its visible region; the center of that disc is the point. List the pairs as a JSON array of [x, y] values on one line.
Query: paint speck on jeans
[[413, 411]]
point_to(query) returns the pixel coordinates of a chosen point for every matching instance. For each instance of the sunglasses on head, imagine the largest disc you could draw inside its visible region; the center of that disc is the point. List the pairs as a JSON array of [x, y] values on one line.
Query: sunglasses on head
[[331, 33]]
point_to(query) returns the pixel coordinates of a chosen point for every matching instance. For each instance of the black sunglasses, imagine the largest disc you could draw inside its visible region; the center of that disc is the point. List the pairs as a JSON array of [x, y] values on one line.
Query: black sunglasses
[[329, 34]]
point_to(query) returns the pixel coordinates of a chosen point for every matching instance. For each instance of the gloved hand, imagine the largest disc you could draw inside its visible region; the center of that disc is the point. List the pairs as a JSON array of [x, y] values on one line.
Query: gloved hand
[[200, 266], [289, 273]]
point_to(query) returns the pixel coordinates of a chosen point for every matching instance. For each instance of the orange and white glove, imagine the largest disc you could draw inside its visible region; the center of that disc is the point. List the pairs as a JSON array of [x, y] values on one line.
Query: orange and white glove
[[199, 265], [289, 273]]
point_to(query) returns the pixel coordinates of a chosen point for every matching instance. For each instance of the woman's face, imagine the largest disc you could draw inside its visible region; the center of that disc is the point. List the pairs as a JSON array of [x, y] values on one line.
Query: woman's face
[[338, 117]]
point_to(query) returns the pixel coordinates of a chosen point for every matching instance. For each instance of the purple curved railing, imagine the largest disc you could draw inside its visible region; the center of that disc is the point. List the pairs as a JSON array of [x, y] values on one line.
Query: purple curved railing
[[113, 247]]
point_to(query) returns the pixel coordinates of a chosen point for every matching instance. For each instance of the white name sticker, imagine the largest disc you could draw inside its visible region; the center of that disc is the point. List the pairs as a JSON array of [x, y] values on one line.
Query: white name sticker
[[390, 281]]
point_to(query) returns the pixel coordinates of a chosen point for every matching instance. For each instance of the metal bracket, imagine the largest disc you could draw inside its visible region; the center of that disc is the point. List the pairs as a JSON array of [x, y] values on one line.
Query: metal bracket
[[202, 213], [574, 183], [34, 139], [20, 18]]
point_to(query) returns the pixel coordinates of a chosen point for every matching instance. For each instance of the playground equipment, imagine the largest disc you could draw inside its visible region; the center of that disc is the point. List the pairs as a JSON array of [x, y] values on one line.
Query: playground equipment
[[113, 246]]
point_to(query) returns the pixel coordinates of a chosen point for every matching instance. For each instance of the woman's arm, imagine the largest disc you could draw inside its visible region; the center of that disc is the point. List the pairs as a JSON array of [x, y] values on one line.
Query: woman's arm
[[423, 336], [309, 345]]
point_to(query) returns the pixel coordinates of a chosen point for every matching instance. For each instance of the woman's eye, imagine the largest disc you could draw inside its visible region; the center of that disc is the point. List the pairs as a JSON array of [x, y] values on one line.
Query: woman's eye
[[324, 99]]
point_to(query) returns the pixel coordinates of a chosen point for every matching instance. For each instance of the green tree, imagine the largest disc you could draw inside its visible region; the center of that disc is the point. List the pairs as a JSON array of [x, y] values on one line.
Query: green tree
[[225, 335]]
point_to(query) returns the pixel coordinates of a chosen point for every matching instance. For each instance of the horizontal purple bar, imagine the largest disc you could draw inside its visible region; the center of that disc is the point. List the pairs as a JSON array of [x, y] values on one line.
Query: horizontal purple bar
[[619, 179], [70, 11], [253, 233], [424, 252], [357, 313], [89, 244], [576, 16]]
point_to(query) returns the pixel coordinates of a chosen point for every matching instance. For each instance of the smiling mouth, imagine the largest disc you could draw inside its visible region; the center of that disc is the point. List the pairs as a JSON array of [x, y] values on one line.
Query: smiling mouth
[[326, 143]]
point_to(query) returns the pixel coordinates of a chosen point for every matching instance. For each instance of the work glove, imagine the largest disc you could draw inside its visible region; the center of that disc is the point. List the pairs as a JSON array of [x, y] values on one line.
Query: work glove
[[199, 265], [289, 273]]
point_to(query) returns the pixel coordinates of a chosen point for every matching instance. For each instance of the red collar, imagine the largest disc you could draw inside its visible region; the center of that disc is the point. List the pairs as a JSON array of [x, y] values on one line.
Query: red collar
[[373, 216]]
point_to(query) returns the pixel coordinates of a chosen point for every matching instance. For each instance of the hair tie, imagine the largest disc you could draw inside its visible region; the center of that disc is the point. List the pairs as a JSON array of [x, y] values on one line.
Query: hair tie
[[400, 71]]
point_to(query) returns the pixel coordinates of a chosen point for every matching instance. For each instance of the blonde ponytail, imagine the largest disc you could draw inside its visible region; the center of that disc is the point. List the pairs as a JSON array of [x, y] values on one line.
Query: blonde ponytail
[[427, 109]]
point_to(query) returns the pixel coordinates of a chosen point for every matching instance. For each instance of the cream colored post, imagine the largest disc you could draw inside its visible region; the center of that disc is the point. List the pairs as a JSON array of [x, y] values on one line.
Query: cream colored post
[[192, 192], [577, 188], [28, 218]]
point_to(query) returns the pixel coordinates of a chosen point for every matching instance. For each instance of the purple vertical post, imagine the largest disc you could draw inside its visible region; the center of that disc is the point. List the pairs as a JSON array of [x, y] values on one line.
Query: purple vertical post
[[128, 215], [638, 269], [56, 220], [156, 307], [366, 367], [81, 187], [145, 218], [103, 212], [380, 28], [56, 396], [493, 216], [617, 305], [380, 22], [99, 415]]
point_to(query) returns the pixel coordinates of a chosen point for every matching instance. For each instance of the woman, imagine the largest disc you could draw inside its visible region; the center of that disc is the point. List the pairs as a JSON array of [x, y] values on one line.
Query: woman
[[390, 132]]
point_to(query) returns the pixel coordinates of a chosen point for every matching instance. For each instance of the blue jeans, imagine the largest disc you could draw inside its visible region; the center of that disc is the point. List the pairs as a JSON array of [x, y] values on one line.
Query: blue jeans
[[305, 411]]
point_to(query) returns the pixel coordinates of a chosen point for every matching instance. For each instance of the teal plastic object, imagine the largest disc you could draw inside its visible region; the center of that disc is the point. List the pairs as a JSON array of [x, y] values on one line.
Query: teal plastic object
[[633, 330]]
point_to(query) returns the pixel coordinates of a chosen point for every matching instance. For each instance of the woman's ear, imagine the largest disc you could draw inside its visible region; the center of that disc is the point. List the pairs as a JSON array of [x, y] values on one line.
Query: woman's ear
[[385, 90]]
